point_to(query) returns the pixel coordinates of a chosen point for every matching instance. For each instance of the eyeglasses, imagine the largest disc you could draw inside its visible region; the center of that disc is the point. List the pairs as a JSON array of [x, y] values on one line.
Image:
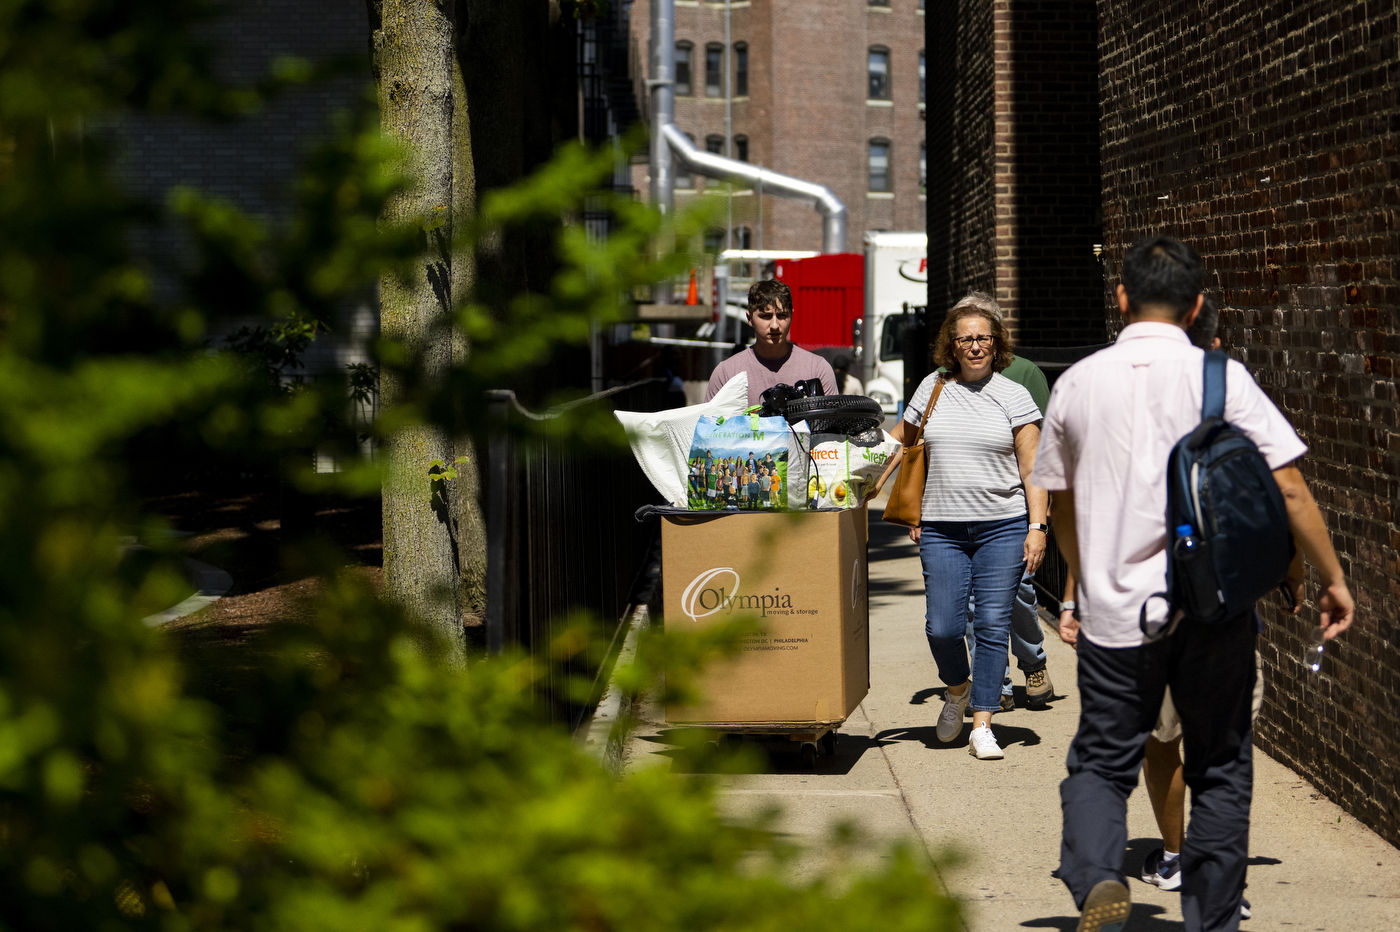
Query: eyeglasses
[[984, 339]]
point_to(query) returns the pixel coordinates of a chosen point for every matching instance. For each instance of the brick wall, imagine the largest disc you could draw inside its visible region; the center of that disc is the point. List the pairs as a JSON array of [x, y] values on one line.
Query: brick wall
[[961, 204], [1013, 200], [1047, 170], [1266, 136], [253, 161], [806, 113]]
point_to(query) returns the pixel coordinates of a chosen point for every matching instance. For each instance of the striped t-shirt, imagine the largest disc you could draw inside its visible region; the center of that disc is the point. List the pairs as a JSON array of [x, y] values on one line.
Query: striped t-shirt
[[972, 470]]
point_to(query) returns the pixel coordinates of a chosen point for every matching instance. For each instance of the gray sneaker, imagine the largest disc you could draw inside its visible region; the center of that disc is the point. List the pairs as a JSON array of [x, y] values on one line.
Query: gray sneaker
[[950, 718]]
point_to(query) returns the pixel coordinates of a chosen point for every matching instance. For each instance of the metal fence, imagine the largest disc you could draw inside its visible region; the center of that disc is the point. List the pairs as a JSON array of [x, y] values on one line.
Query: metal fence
[[561, 534]]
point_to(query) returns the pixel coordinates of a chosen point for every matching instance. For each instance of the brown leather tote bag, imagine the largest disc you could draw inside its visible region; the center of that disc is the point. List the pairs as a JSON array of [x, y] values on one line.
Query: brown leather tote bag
[[906, 503]]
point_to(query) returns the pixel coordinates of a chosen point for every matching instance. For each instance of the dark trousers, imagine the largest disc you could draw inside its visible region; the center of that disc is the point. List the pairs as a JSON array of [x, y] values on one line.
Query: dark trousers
[[1210, 669]]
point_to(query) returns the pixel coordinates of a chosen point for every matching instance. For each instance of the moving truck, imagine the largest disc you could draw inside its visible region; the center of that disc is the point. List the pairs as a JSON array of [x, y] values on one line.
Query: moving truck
[[858, 302], [896, 275]]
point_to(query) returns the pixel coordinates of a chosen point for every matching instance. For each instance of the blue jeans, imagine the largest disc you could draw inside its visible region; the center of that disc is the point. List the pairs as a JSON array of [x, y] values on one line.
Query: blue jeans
[[1027, 636], [981, 560]]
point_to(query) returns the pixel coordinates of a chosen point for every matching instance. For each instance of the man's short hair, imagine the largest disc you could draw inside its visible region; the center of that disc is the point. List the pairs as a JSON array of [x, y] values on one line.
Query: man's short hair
[[1201, 333], [1164, 272], [769, 291]]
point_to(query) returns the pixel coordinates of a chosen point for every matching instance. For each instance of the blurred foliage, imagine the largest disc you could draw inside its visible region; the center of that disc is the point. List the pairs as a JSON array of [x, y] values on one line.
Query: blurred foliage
[[339, 779]]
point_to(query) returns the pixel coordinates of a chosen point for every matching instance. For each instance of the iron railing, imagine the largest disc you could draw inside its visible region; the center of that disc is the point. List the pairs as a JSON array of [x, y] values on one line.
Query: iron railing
[[561, 534]]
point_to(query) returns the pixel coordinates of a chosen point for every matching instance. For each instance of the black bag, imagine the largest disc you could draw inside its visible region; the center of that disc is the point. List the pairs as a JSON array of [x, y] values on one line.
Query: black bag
[[1227, 526]]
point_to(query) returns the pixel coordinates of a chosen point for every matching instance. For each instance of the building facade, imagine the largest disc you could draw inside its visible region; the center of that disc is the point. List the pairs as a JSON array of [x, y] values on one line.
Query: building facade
[[830, 93], [1265, 135]]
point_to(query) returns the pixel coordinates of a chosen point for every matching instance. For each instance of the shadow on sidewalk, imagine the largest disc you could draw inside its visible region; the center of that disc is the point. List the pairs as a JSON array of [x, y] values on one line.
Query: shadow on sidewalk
[[701, 750], [1145, 917], [1007, 736]]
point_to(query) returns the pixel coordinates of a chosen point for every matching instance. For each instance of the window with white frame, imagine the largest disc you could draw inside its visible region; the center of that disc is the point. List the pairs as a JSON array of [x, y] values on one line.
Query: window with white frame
[[880, 165], [879, 73], [684, 51]]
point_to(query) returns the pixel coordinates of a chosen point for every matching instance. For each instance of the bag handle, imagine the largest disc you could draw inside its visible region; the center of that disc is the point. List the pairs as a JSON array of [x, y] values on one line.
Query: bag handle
[[932, 400], [923, 422]]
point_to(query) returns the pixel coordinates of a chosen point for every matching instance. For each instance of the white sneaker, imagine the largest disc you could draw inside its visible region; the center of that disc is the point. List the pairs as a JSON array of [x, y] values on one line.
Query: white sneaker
[[950, 719], [982, 745]]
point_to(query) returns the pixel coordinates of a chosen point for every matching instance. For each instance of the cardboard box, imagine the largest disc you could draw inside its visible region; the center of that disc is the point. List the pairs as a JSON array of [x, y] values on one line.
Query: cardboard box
[[806, 577]]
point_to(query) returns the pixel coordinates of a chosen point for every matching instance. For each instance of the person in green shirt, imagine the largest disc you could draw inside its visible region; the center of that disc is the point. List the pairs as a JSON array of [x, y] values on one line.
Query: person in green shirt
[[1027, 637]]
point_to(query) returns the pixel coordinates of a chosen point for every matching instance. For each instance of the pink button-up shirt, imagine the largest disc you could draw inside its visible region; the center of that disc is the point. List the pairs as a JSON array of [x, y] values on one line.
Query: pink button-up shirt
[[1110, 425]]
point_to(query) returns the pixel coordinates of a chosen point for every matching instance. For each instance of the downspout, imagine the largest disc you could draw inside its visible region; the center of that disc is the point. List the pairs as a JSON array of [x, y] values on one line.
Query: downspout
[[670, 139], [662, 88]]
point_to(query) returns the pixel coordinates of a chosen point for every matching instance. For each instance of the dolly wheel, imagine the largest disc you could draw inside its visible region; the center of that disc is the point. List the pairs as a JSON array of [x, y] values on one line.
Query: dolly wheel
[[809, 755]]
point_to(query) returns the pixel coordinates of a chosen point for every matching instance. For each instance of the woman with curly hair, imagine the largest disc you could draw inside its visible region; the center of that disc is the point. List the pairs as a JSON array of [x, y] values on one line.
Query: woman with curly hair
[[982, 523]]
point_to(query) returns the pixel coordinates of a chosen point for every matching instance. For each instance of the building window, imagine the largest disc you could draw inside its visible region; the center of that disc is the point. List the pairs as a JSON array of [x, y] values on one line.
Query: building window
[[741, 148], [879, 74], [714, 241], [879, 165], [714, 144], [921, 76], [741, 69], [683, 85], [683, 178], [743, 238], [923, 168], [879, 2], [714, 55]]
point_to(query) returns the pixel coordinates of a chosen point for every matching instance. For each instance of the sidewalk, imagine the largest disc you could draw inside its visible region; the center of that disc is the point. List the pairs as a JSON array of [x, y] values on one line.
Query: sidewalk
[[1313, 867]]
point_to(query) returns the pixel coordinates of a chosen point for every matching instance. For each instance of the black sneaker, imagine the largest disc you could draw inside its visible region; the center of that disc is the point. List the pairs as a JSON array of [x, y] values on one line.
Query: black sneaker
[[1244, 908], [1164, 874]]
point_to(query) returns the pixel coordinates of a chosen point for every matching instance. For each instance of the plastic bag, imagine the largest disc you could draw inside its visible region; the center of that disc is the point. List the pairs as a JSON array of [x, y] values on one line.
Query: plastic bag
[[661, 441], [741, 462], [845, 467]]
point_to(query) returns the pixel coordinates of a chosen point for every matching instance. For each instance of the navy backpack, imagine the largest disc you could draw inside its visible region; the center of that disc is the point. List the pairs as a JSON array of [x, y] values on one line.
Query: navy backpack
[[1228, 541]]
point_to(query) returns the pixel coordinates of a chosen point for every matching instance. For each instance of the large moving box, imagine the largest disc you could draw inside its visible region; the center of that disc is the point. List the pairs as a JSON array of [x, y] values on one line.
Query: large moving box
[[805, 576]]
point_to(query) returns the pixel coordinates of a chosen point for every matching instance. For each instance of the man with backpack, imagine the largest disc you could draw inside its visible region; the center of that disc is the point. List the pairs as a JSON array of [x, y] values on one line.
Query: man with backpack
[[1113, 421]]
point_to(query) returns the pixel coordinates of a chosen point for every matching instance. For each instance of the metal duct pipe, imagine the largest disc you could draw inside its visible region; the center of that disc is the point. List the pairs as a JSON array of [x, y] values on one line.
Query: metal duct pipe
[[662, 88], [701, 162]]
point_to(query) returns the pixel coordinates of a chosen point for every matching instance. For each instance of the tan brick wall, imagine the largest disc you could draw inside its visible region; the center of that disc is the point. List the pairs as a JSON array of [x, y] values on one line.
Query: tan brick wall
[[807, 114], [1266, 136]]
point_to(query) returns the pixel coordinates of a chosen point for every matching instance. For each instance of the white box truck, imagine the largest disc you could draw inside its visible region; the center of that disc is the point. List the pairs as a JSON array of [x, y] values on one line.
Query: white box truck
[[896, 274]]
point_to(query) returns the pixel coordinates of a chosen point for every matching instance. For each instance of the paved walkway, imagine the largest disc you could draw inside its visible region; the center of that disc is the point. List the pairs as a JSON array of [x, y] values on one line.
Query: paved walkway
[[1313, 867]]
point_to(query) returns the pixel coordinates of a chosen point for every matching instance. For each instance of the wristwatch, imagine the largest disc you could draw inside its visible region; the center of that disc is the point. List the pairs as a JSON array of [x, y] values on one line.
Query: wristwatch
[[1068, 605], [1037, 526]]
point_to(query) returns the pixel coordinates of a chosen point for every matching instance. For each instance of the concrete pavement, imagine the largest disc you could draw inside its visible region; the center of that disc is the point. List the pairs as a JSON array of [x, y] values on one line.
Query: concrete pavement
[[1313, 867]]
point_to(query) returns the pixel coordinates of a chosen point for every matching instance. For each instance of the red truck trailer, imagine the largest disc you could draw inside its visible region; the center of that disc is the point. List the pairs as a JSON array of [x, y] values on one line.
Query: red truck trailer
[[828, 297]]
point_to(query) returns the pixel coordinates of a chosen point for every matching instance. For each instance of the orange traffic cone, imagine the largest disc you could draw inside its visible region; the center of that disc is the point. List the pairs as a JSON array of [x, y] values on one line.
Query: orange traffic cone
[[692, 296]]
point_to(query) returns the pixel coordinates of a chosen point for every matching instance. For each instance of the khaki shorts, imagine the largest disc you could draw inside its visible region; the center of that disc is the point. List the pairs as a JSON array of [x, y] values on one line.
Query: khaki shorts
[[1169, 723]]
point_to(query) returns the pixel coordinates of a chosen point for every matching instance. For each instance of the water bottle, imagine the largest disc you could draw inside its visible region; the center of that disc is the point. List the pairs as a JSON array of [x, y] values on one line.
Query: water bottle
[[1312, 650], [1186, 543]]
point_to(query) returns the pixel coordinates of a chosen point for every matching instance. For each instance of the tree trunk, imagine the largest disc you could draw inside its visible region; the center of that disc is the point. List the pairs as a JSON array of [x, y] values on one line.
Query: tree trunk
[[464, 495], [413, 53]]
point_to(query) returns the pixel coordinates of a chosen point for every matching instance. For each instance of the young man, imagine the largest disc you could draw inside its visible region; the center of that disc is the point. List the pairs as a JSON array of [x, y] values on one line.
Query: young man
[[772, 360], [1162, 771], [1111, 422]]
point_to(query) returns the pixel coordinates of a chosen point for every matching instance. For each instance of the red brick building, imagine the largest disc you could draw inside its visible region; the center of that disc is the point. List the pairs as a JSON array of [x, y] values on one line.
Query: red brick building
[[827, 92]]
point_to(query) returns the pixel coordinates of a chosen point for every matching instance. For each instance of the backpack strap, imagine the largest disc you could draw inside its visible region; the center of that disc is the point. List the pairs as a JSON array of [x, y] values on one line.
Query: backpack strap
[[1213, 394]]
